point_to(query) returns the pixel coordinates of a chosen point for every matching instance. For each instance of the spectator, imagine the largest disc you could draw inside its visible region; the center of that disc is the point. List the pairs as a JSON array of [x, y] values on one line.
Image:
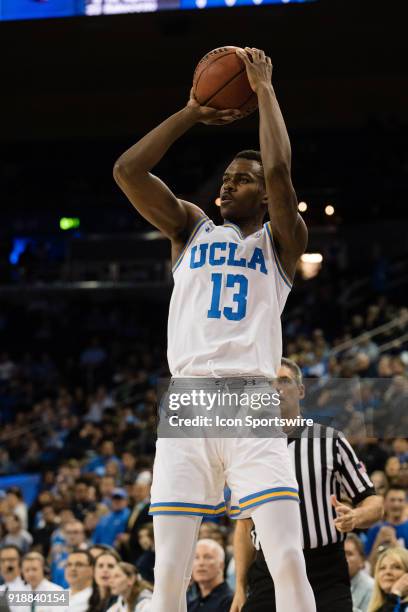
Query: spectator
[[128, 543], [74, 540], [10, 563], [83, 502], [380, 482], [134, 594], [33, 574], [114, 523], [400, 448], [392, 469], [43, 533], [208, 572], [78, 575], [391, 582], [394, 508], [361, 583], [145, 562], [106, 486], [106, 454], [129, 463], [16, 505], [102, 599], [16, 534]]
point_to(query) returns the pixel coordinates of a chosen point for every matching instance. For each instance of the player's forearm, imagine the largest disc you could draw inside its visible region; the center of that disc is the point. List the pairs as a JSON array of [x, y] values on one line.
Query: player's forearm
[[369, 511], [148, 151], [273, 135], [244, 552]]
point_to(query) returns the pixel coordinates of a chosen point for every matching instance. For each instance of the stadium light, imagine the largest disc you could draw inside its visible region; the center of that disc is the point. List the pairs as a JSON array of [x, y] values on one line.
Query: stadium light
[[310, 265], [67, 223], [329, 210], [302, 207]]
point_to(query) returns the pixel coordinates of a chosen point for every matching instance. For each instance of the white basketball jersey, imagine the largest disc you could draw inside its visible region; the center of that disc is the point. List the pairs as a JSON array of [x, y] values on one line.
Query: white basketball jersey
[[229, 293]]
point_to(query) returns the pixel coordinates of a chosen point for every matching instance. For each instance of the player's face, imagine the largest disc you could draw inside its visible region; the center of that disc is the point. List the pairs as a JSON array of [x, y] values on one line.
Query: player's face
[[243, 190]]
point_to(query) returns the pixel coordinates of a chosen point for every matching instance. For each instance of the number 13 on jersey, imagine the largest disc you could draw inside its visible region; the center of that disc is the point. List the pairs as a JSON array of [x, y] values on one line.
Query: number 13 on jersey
[[233, 281]]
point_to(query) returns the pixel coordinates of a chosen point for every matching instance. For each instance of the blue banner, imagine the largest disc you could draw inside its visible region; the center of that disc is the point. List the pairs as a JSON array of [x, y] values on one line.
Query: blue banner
[[28, 483]]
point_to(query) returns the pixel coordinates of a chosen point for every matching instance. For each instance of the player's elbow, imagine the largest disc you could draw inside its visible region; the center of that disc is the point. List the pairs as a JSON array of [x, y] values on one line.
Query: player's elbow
[[123, 171], [119, 171]]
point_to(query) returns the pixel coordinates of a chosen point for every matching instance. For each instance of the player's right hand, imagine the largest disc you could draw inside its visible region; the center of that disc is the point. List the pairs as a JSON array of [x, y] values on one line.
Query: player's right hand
[[212, 116]]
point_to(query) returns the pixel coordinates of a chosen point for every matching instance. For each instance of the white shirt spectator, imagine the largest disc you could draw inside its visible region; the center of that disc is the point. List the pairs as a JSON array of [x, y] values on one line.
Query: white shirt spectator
[[143, 604], [78, 602], [46, 585], [17, 584]]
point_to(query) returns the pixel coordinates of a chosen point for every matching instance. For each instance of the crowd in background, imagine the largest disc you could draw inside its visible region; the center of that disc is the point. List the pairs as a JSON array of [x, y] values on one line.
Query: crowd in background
[[83, 415]]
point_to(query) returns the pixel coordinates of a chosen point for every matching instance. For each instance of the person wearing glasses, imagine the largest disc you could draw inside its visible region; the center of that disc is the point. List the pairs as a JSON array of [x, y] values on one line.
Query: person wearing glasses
[[79, 574]]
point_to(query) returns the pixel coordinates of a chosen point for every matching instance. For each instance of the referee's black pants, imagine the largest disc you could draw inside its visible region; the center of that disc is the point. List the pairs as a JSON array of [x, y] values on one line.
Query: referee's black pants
[[328, 576]]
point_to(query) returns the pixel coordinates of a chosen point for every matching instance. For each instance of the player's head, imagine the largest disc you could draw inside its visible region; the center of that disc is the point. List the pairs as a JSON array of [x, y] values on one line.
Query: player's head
[[243, 194]]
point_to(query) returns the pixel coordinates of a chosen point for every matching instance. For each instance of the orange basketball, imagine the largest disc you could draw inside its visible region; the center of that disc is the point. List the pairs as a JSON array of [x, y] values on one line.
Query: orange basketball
[[220, 81]]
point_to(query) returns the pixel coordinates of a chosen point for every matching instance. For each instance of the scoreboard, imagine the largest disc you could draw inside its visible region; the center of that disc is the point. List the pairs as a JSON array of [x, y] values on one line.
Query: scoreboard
[[40, 9]]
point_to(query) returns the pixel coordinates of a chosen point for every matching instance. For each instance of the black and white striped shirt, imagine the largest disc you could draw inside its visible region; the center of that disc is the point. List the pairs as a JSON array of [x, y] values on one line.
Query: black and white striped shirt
[[325, 464]]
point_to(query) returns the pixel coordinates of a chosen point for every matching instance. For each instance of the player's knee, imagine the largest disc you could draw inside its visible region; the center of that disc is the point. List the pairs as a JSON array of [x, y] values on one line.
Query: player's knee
[[290, 563], [169, 576]]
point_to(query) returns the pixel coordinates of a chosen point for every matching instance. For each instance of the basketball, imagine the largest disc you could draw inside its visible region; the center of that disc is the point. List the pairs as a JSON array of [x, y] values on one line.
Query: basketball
[[220, 81]]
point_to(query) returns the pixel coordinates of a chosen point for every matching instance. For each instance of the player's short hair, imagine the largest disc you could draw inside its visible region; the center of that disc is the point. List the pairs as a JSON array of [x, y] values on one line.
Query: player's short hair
[[249, 154], [294, 368]]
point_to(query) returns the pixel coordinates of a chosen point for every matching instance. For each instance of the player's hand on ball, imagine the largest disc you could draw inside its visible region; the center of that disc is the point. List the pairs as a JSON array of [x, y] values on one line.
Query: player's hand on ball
[[346, 517], [258, 67], [212, 116]]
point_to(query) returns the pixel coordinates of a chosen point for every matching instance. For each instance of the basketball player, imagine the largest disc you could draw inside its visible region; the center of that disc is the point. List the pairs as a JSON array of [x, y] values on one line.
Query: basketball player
[[230, 286]]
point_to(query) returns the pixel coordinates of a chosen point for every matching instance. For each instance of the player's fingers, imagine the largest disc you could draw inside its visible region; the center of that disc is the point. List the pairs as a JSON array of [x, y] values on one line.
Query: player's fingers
[[268, 61], [257, 54], [244, 56]]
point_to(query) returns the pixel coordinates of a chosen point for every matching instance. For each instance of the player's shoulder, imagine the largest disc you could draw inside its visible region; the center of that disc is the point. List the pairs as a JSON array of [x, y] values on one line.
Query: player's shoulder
[[195, 217]]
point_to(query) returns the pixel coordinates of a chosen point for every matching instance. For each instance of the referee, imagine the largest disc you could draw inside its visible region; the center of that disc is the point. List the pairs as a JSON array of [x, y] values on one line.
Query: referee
[[325, 464]]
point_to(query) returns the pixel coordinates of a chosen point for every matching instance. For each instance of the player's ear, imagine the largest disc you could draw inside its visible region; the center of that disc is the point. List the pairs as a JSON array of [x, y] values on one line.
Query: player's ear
[[301, 391]]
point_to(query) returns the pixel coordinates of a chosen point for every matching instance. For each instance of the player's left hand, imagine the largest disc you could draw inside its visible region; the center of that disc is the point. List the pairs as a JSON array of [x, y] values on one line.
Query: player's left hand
[[346, 517], [258, 67], [212, 116]]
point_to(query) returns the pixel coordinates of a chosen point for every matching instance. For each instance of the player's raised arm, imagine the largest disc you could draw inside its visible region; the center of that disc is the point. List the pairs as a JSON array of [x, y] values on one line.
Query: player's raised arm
[[148, 194], [288, 227]]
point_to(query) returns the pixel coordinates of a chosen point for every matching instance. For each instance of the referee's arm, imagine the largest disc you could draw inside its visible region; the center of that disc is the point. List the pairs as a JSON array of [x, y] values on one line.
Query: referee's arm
[[244, 554], [367, 506]]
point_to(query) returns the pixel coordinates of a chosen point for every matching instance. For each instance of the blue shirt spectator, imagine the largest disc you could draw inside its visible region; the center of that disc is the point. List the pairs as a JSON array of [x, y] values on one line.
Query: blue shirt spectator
[[114, 523], [394, 508]]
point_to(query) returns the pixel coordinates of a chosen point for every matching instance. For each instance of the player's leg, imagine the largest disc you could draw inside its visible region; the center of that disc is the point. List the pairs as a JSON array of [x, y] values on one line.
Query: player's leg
[[175, 539], [278, 527]]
